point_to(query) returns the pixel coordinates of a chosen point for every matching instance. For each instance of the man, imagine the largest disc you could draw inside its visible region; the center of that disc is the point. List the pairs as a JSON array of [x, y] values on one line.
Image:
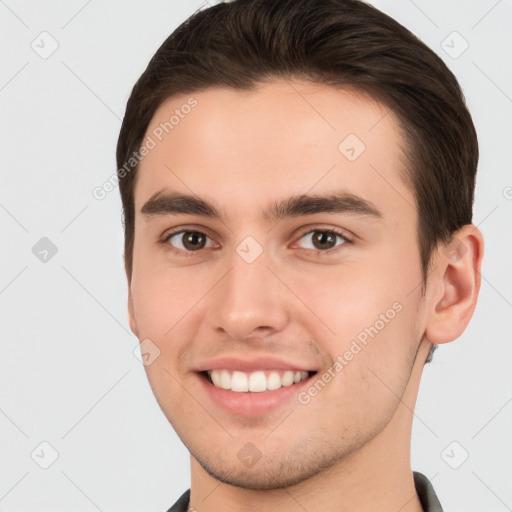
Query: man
[[297, 182]]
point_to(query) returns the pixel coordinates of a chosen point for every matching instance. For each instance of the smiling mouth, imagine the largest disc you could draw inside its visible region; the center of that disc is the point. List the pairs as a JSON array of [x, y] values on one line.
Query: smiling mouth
[[255, 382]]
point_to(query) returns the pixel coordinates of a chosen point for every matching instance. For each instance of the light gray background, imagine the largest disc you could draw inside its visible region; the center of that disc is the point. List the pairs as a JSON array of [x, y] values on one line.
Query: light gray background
[[68, 374]]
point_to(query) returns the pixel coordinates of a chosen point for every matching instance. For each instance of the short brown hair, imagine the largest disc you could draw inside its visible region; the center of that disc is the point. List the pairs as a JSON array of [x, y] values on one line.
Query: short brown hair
[[333, 42]]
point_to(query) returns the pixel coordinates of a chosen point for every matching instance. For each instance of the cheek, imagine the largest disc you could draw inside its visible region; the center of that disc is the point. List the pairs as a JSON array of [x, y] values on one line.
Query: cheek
[[343, 302], [388, 342], [168, 311], [164, 296], [366, 323]]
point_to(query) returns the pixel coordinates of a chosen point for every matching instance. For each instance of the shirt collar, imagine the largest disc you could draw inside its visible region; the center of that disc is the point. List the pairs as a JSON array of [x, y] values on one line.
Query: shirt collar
[[426, 495]]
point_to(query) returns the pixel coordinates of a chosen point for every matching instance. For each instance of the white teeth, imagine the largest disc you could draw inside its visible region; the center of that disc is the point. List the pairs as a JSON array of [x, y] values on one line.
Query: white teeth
[[239, 382], [287, 379], [300, 376], [225, 380], [215, 376], [273, 381], [255, 382]]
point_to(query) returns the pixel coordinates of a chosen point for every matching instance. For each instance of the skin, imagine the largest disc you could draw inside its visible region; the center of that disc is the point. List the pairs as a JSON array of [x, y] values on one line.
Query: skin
[[349, 447]]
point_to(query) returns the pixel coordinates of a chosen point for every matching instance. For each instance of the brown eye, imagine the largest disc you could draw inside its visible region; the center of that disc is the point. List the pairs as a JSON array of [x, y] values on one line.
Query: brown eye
[[323, 240], [188, 240], [192, 240]]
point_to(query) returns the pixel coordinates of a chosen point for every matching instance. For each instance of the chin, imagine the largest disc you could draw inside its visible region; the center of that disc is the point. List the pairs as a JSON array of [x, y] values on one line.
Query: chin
[[274, 473]]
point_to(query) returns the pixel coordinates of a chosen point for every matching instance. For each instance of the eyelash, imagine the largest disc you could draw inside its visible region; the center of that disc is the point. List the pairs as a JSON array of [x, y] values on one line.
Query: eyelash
[[180, 252]]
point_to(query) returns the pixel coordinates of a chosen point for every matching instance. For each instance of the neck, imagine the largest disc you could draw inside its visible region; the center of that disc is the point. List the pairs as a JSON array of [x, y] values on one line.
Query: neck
[[377, 476]]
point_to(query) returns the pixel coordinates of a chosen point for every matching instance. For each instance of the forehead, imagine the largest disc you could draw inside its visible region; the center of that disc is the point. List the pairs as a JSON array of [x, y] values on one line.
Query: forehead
[[280, 139]]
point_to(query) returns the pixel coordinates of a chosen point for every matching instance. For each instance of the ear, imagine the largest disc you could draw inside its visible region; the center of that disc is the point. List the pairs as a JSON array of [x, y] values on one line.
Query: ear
[[456, 283], [131, 309]]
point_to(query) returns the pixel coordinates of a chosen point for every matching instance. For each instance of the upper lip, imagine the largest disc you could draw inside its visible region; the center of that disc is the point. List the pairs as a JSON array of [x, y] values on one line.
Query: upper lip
[[253, 364]]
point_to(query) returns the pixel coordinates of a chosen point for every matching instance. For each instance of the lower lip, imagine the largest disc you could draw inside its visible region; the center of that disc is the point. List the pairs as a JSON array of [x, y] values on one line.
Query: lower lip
[[252, 403]]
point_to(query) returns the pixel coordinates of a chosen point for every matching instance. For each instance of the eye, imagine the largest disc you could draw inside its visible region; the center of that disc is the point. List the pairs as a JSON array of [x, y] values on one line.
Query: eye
[[323, 239], [188, 241]]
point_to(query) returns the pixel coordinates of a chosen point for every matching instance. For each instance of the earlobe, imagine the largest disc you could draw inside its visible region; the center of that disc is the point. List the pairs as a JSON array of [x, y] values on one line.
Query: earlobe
[[457, 286]]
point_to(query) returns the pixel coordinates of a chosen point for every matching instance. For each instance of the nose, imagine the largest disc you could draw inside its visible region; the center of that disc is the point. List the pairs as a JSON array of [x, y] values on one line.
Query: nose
[[249, 301]]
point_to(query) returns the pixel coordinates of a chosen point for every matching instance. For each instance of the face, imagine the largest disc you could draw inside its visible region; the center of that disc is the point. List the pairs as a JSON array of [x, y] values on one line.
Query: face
[[289, 277]]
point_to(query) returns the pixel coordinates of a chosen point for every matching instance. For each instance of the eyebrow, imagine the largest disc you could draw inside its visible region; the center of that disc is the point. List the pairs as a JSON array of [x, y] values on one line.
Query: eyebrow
[[174, 203]]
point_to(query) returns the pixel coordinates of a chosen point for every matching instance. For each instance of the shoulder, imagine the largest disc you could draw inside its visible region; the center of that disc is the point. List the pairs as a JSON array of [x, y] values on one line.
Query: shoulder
[[182, 504], [426, 493]]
